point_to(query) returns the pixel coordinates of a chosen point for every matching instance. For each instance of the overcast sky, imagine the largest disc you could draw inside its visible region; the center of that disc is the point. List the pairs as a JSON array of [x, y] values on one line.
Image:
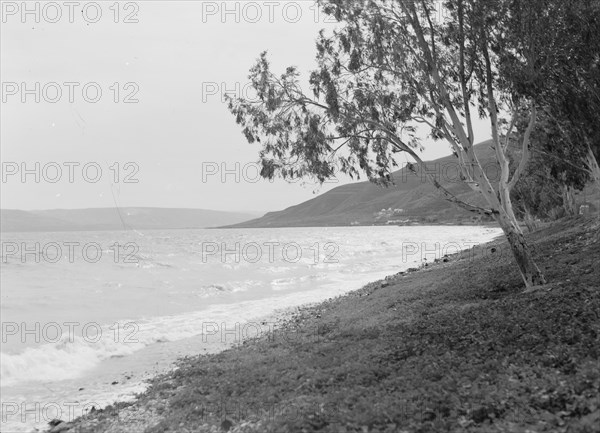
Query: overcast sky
[[178, 137]]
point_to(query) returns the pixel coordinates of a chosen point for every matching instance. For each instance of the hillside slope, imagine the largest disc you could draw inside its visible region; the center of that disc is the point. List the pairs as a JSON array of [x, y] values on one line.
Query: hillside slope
[[362, 203]]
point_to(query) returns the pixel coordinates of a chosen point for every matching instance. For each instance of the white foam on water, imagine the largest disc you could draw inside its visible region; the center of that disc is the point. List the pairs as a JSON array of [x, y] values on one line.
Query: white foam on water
[[239, 292]]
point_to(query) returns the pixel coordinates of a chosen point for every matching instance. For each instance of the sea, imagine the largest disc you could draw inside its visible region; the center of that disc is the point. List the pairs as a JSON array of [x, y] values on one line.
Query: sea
[[89, 317]]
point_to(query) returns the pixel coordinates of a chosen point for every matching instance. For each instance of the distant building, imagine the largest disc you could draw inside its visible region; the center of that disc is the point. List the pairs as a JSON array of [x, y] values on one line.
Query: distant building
[[584, 209]]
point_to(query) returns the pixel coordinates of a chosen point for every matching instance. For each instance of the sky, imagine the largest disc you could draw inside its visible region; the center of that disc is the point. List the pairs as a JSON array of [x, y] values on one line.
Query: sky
[[129, 107]]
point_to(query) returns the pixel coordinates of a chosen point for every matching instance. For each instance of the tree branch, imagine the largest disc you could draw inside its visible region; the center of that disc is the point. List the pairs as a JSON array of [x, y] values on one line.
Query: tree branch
[[526, 155]]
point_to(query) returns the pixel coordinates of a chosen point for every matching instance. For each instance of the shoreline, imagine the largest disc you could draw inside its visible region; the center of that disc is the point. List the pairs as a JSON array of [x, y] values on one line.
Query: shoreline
[[214, 342], [412, 343]]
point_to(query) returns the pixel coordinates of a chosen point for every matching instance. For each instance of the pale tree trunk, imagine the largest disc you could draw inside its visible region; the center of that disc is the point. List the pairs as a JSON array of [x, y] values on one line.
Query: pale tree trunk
[[568, 200], [471, 168], [593, 167], [505, 217], [506, 202], [530, 272], [503, 214]]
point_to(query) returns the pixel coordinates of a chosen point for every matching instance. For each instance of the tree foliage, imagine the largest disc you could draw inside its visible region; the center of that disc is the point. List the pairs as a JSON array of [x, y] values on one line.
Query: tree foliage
[[566, 83]]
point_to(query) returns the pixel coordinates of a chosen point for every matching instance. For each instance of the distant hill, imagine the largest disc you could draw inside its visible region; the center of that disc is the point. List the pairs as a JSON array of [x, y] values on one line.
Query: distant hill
[[411, 200], [115, 219]]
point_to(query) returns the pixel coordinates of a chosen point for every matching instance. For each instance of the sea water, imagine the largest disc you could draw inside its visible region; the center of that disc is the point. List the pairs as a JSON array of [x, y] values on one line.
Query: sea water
[[87, 317]]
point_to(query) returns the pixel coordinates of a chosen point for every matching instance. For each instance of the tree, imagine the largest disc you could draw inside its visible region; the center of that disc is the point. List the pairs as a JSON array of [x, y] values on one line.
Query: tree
[[554, 172], [572, 93], [392, 70], [566, 80]]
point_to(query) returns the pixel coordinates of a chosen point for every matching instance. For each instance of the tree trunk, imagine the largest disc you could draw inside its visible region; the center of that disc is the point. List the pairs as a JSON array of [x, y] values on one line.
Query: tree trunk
[[568, 200], [531, 274], [504, 215], [593, 164]]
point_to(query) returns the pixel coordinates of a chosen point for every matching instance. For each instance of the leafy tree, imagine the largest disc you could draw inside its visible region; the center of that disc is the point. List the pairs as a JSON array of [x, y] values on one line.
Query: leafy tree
[[566, 80], [390, 71], [552, 175]]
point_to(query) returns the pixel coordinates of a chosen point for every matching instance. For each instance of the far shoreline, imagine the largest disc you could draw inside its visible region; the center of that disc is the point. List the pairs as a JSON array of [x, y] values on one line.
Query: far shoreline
[[121, 229]]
